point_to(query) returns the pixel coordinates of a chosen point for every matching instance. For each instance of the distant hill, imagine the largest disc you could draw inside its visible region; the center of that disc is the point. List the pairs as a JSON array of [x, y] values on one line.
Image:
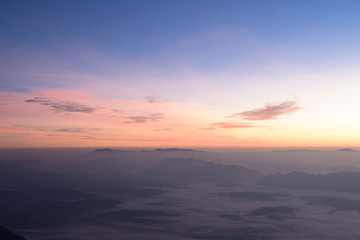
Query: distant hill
[[339, 181], [174, 149], [108, 150], [346, 150], [6, 234], [294, 151], [189, 170]]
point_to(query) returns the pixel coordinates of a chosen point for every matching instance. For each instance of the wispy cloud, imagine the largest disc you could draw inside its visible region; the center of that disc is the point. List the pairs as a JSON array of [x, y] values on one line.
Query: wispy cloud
[[79, 137], [145, 118], [76, 129], [62, 106], [228, 125], [54, 129], [156, 99], [162, 129], [269, 112]]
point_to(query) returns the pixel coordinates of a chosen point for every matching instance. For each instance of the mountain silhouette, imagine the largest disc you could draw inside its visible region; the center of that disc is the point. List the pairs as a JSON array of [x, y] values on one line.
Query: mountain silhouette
[[6, 234], [174, 149], [108, 150], [346, 150]]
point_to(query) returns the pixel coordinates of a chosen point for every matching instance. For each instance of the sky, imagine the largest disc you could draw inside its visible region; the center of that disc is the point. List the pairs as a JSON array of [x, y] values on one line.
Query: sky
[[199, 73]]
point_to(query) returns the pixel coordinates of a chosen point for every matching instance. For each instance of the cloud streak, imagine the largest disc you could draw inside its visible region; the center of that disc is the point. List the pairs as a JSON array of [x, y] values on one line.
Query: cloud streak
[[155, 99], [269, 112], [53, 129], [72, 130], [79, 137], [229, 125], [143, 119], [62, 106]]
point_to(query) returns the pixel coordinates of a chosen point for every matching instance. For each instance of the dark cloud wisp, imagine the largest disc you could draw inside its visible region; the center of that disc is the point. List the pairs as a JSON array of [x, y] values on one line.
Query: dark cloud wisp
[[155, 99], [269, 112], [145, 118], [62, 106], [76, 129]]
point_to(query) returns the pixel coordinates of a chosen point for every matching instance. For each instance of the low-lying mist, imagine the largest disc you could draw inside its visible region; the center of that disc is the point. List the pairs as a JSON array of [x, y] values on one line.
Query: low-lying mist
[[85, 194]]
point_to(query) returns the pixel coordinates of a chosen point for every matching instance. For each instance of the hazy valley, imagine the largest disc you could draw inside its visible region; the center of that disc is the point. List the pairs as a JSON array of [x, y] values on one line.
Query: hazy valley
[[181, 194]]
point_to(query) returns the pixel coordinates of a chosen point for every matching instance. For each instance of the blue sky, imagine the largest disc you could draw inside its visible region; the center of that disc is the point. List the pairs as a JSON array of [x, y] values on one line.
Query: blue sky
[[143, 28]]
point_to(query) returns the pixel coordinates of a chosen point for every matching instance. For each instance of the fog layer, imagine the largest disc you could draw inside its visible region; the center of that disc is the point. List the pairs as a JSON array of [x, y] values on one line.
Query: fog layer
[[179, 194]]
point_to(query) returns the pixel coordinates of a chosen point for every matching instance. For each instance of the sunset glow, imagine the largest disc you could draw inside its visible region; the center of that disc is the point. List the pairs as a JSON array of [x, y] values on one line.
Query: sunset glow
[[179, 73]]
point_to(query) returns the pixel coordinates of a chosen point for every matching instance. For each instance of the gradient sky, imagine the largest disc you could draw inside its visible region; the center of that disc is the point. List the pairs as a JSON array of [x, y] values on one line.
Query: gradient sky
[[180, 73]]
